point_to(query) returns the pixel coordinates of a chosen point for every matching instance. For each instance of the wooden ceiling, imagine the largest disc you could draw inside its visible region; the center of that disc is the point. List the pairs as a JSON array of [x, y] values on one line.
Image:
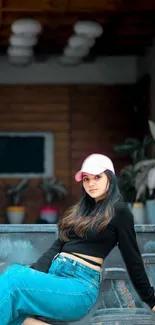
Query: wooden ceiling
[[129, 25]]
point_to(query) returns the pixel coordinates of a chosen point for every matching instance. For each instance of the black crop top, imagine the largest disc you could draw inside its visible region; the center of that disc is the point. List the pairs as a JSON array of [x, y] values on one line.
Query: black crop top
[[120, 230]]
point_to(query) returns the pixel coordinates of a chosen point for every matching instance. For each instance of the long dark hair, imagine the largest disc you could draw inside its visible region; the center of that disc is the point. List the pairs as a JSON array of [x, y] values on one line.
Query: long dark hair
[[88, 214]]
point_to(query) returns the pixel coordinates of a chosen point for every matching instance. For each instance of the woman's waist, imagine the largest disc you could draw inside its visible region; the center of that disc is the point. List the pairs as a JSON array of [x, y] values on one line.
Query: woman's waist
[[64, 265], [92, 262]]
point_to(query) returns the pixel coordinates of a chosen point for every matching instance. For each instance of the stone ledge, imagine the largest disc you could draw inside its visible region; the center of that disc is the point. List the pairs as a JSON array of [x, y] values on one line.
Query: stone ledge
[[126, 316], [53, 227], [28, 228]]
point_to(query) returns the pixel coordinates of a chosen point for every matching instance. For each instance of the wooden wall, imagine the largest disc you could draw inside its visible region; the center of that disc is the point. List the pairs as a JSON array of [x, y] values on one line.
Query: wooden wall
[[100, 117], [84, 119]]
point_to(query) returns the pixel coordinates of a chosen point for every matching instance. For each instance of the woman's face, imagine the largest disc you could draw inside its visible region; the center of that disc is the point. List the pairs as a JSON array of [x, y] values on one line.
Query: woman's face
[[96, 186]]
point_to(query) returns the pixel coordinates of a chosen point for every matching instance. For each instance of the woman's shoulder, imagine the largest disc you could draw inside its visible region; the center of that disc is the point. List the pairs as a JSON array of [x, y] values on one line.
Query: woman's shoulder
[[122, 213], [119, 207]]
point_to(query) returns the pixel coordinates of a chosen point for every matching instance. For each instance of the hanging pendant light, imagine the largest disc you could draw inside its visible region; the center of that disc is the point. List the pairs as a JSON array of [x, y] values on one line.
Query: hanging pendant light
[[77, 41], [22, 40], [73, 52], [19, 51], [26, 26], [89, 28]]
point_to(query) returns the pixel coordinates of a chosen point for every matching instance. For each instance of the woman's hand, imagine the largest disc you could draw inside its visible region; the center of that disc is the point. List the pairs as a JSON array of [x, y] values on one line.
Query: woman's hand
[[153, 309]]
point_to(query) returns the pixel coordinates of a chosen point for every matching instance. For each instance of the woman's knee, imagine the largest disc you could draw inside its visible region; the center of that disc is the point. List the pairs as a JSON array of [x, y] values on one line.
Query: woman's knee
[[14, 268], [32, 321], [15, 273]]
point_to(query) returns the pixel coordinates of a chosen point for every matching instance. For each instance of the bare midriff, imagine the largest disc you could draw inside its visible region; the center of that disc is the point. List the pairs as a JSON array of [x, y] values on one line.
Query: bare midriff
[[91, 258]]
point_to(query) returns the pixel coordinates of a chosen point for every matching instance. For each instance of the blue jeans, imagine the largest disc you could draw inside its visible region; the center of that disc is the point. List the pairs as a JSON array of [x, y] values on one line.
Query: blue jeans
[[67, 292]]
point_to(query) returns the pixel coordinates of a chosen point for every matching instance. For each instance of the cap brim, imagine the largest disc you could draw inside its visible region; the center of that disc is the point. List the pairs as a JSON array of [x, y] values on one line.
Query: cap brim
[[78, 176]]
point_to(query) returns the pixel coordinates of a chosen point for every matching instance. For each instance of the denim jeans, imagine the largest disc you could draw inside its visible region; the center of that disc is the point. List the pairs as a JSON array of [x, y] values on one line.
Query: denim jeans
[[67, 292]]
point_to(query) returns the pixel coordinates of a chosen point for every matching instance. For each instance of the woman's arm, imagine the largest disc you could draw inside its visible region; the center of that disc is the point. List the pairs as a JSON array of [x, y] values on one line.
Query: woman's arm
[[44, 262], [130, 252]]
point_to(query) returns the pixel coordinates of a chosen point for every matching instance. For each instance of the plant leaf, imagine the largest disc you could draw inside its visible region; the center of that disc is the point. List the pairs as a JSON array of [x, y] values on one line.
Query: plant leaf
[[144, 163], [147, 140], [141, 191], [141, 178], [152, 128]]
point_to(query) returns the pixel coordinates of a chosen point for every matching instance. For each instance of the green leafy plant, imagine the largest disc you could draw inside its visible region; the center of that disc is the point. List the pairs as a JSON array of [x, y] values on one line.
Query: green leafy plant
[[145, 172], [15, 191], [54, 190], [126, 183], [132, 179], [135, 148]]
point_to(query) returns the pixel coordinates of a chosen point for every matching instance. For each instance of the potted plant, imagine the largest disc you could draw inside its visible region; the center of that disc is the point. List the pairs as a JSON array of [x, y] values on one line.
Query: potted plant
[[137, 151], [145, 180], [16, 212], [132, 178], [55, 191]]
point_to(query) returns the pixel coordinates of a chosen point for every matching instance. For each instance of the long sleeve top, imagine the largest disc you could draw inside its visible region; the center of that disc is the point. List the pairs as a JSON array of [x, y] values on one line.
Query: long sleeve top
[[120, 231]]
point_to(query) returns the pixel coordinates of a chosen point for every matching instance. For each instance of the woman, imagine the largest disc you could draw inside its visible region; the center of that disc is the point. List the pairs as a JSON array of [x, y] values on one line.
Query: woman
[[64, 283]]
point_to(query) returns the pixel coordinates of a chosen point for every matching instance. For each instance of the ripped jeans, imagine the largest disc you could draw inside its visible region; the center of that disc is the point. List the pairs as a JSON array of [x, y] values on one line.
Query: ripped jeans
[[67, 292]]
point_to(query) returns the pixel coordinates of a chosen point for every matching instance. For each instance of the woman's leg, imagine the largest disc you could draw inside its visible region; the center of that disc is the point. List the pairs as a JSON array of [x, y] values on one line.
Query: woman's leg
[[25, 291], [32, 321]]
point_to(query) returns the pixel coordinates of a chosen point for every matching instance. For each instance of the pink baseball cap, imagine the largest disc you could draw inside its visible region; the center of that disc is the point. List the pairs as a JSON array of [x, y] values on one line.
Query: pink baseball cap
[[95, 164]]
